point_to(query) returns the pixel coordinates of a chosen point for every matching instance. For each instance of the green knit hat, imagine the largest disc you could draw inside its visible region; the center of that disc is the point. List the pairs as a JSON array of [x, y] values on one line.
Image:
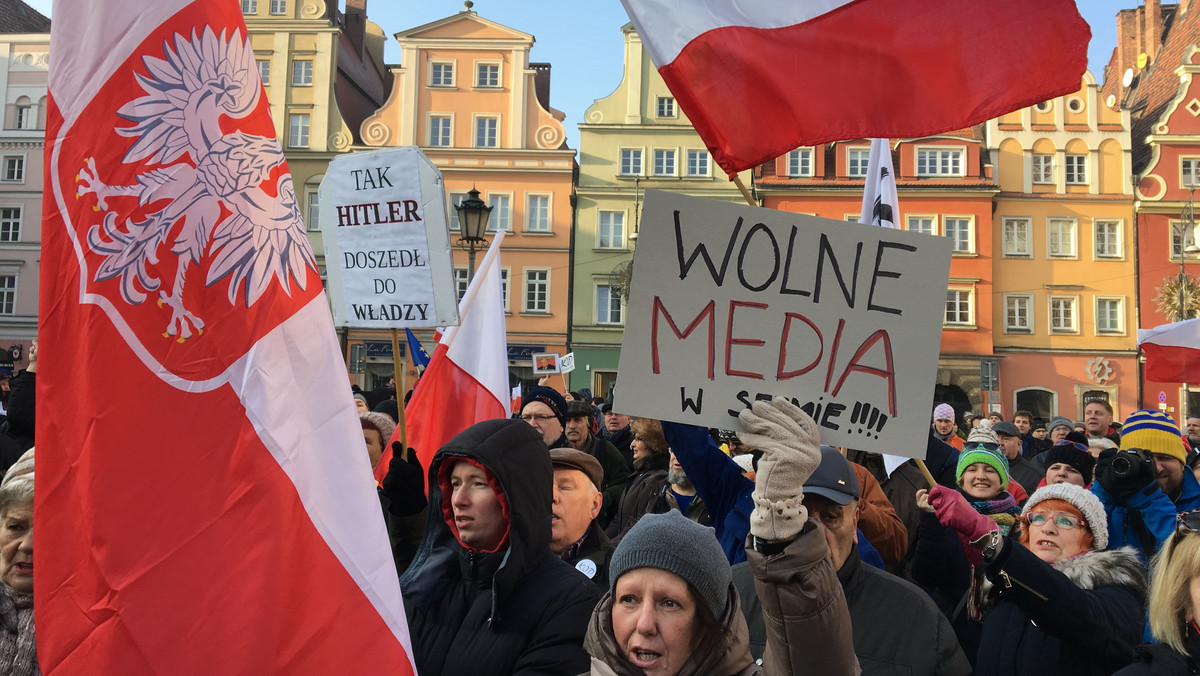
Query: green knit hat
[[983, 446], [1155, 432]]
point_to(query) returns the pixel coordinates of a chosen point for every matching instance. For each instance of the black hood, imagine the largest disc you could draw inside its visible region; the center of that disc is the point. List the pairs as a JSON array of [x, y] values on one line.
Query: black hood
[[514, 454]]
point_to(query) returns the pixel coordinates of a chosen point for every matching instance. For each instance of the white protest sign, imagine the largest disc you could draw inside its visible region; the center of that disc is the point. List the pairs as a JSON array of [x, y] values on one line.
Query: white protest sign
[[566, 363], [734, 303], [387, 248]]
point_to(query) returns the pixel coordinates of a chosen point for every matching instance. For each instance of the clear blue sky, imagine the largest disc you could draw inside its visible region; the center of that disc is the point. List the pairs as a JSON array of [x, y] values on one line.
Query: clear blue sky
[[582, 39]]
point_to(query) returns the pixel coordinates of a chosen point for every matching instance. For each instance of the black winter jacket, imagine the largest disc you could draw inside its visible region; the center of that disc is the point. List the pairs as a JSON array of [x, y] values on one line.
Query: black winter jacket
[[1079, 616], [520, 610]]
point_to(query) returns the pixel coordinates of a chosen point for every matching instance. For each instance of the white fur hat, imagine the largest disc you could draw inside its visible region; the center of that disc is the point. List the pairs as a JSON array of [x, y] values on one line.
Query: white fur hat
[[1083, 500]]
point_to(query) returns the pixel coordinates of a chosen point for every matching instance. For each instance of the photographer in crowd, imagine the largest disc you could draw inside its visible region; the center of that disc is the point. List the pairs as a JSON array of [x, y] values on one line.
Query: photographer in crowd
[[1146, 483]]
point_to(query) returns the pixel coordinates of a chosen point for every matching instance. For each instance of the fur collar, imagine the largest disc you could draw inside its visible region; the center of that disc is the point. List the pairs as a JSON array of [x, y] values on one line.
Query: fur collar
[[1092, 570], [1111, 568]]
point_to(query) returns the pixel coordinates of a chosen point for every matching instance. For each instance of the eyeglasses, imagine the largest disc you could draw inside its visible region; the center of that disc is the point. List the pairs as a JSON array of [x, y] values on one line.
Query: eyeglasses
[[1188, 522], [982, 444], [1061, 520], [540, 417]]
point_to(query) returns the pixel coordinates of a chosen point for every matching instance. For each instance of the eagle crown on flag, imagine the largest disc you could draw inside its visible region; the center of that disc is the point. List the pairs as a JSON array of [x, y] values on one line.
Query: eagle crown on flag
[[178, 125]]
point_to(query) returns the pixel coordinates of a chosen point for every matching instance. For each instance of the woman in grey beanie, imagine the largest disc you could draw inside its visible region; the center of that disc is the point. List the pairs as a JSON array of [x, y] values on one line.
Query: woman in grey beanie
[[672, 609]]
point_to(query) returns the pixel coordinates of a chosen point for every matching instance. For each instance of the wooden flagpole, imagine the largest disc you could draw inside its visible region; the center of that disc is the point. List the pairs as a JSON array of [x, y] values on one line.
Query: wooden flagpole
[[397, 371]]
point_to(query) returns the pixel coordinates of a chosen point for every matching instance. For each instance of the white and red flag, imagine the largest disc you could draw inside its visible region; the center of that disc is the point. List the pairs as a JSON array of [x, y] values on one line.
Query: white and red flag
[[204, 503], [466, 380], [1172, 351], [759, 78]]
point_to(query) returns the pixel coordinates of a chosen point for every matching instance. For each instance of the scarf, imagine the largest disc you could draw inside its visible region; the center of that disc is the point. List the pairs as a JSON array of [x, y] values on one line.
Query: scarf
[[18, 652], [1004, 511]]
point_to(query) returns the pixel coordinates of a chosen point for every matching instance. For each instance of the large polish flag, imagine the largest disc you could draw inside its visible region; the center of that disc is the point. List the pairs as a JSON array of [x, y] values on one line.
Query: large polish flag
[[1172, 351], [204, 503], [758, 78], [466, 380]]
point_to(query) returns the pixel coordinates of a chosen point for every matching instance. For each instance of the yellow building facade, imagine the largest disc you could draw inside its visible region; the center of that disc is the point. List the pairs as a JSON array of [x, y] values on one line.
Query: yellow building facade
[[1064, 270], [631, 140], [467, 94]]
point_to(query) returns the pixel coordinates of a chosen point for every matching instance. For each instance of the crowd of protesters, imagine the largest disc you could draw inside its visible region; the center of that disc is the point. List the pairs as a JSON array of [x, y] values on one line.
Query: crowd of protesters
[[573, 539], [1052, 546]]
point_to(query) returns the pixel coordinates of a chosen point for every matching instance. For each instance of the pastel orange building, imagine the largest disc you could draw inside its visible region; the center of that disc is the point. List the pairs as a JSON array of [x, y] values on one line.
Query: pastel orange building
[[467, 94]]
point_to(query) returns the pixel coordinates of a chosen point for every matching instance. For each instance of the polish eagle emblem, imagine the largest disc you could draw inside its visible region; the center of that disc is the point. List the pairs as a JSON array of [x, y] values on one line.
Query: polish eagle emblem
[[199, 189]]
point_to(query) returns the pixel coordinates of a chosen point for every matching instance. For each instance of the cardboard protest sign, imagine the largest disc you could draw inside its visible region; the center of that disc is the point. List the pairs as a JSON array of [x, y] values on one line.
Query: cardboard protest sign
[[387, 248], [733, 303]]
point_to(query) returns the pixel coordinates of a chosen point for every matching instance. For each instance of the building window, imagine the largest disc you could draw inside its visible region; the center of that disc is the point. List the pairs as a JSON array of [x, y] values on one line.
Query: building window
[[1060, 238], [1063, 315], [1182, 236], [1077, 169], [487, 75], [1189, 172], [939, 162], [279, 6], [439, 131], [537, 290], [1110, 315], [501, 218], [298, 130], [1108, 239], [608, 305], [664, 162], [799, 163], [302, 73], [631, 162], [1018, 314], [958, 307], [14, 168], [922, 224], [249, 6], [858, 159], [460, 282], [24, 116], [10, 224], [504, 287], [441, 74], [610, 230], [960, 232], [666, 106], [1043, 169], [1016, 240], [485, 132], [314, 211], [8, 294], [1040, 401], [697, 163], [537, 213], [455, 199], [264, 71]]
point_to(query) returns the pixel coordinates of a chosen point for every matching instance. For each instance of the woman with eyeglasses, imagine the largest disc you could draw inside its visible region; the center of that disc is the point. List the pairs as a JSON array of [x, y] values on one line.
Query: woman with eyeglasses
[[944, 562], [1174, 605], [1059, 602]]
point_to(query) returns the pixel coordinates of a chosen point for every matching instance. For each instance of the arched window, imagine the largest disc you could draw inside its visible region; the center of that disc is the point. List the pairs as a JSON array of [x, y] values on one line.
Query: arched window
[[1040, 401]]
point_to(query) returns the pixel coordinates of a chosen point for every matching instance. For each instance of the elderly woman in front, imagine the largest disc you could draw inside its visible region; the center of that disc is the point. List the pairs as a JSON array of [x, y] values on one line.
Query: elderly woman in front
[[672, 609], [1062, 604], [18, 653]]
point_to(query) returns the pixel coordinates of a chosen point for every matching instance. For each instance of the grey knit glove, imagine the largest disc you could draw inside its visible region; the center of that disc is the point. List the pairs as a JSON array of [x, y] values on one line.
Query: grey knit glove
[[791, 448]]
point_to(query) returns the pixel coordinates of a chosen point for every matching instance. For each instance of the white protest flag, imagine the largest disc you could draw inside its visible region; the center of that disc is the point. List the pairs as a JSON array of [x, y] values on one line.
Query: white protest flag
[[880, 205]]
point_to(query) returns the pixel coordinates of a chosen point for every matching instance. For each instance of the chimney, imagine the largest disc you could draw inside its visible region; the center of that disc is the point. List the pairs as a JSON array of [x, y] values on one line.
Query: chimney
[[1129, 41], [541, 83], [356, 24], [1152, 35]]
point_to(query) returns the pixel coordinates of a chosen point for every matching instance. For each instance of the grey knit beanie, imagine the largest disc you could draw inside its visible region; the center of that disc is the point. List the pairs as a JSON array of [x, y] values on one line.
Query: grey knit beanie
[[678, 545]]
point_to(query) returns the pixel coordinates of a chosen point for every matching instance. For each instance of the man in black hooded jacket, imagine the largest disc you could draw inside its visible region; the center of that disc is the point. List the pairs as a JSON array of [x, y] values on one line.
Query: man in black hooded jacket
[[484, 594]]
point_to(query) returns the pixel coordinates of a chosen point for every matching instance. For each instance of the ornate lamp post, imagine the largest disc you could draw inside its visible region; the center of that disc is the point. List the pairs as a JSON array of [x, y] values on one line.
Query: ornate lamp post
[[473, 217]]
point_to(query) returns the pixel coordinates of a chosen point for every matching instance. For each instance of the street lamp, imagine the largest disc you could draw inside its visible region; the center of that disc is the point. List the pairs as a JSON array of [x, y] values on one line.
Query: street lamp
[[473, 217]]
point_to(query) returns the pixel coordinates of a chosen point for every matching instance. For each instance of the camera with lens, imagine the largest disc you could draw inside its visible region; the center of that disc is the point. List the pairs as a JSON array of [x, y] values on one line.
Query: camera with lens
[[1125, 463]]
